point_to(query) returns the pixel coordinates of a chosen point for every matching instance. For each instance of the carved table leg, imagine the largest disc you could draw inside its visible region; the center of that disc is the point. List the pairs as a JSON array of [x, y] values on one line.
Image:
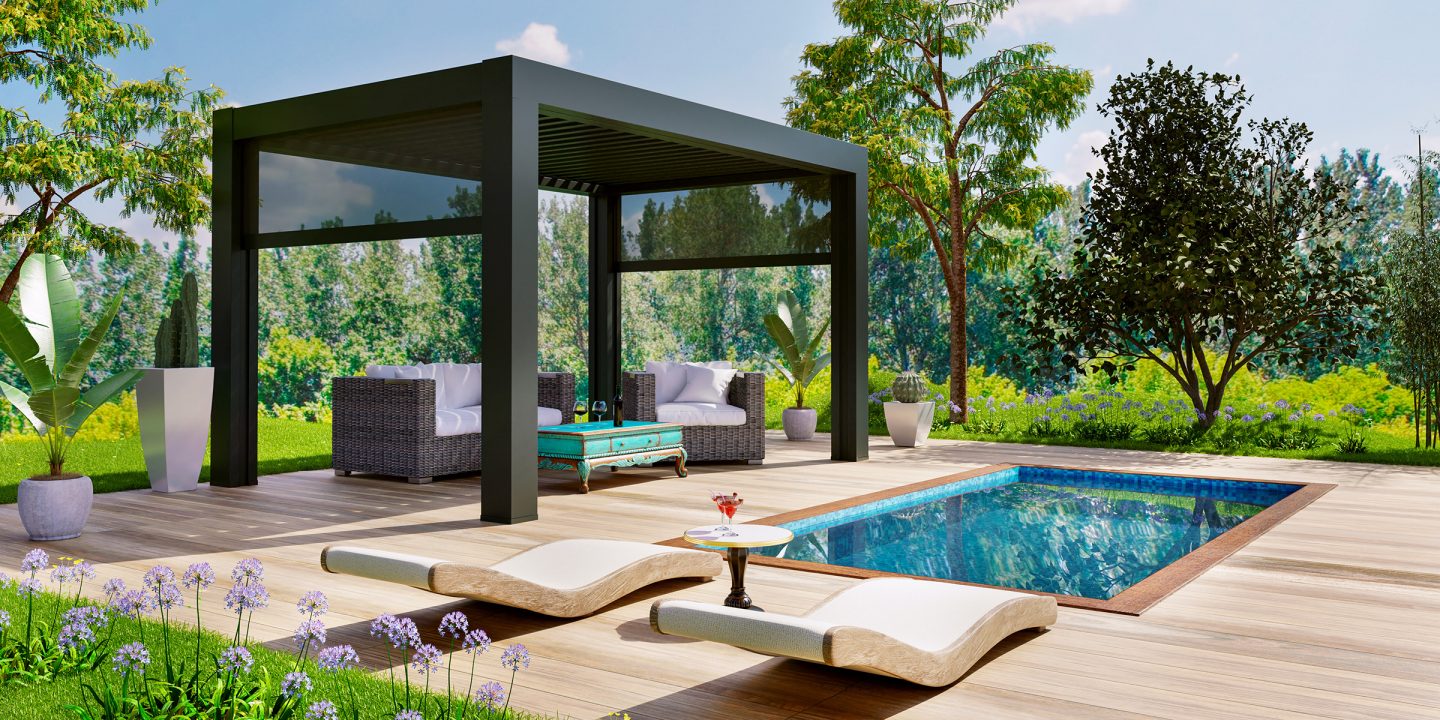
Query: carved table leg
[[680, 470], [737, 598], [583, 467]]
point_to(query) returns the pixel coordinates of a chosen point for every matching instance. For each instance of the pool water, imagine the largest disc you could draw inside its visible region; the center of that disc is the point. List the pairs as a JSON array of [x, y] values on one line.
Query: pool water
[[1071, 532]]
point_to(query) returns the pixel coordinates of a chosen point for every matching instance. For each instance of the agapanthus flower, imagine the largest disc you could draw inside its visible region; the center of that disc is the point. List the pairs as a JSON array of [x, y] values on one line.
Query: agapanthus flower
[[247, 597], [515, 657], [1247, 418], [199, 575], [1282, 404], [75, 636], [426, 659], [114, 587], [295, 683], [4, 581], [409, 715], [248, 570], [236, 660], [35, 561], [311, 633], [4, 620], [62, 574], [168, 597], [476, 641], [130, 658], [1267, 417], [87, 615], [1088, 396], [454, 625], [322, 710], [1105, 405], [490, 695], [1318, 417], [1305, 407], [134, 603], [399, 632], [1166, 418], [339, 657], [159, 576], [313, 603], [28, 586]]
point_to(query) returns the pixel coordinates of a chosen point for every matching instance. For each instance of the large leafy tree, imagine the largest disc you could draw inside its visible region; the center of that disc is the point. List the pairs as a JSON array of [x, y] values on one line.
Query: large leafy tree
[[952, 145], [1204, 245], [144, 143]]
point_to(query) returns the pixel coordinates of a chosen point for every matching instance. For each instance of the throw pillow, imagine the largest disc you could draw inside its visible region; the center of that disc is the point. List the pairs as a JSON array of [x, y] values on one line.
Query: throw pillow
[[669, 380], [706, 385]]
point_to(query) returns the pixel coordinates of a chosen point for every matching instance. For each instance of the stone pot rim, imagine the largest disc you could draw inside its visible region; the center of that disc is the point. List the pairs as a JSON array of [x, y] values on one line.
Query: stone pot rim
[[57, 478]]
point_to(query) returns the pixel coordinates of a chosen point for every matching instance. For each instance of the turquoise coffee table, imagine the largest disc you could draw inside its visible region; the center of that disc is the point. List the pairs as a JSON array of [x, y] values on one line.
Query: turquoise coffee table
[[584, 446]]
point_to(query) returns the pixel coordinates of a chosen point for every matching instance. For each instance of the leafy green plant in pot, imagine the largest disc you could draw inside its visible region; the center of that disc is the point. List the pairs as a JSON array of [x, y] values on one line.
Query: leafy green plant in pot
[[46, 343], [908, 417], [800, 360], [173, 398]]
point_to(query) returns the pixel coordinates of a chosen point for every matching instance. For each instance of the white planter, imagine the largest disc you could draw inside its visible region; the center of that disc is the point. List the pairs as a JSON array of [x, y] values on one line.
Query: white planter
[[55, 509], [909, 423], [799, 423], [174, 405]]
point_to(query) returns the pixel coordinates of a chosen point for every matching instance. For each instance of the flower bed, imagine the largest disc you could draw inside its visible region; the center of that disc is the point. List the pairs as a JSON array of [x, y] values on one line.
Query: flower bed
[[130, 657]]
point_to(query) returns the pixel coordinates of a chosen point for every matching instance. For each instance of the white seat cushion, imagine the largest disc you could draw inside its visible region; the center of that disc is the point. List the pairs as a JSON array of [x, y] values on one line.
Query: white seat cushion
[[461, 421], [670, 377], [924, 614], [700, 414]]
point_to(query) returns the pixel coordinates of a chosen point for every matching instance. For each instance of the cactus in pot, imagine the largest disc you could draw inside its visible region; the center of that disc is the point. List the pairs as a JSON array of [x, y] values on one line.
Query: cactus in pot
[[174, 397], [909, 415]]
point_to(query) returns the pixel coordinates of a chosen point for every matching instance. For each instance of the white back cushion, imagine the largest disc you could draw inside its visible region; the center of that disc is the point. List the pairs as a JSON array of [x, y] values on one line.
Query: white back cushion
[[462, 384], [425, 372], [384, 372], [705, 385], [670, 377]]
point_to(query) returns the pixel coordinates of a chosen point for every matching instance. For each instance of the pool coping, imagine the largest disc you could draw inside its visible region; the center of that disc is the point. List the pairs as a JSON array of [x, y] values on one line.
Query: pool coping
[[1134, 600]]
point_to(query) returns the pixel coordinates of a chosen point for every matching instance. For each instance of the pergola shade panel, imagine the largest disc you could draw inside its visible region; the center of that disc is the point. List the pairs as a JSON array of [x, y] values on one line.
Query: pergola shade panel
[[743, 222], [300, 193]]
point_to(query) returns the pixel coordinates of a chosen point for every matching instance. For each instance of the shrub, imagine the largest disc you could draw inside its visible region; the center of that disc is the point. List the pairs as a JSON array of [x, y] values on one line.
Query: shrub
[[985, 426], [295, 370], [1285, 436], [1170, 435], [1103, 429], [1353, 442]]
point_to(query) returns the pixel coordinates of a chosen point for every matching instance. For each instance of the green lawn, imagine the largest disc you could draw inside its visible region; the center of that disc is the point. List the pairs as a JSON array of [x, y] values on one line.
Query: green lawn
[[49, 700], [285, 446]]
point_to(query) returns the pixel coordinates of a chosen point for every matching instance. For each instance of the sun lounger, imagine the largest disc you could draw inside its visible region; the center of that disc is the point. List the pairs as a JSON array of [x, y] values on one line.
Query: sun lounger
[[566, 578], [925, 632]]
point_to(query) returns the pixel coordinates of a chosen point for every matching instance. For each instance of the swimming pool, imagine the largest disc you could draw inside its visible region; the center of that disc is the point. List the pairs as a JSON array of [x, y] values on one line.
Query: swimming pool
[[1083, 534]]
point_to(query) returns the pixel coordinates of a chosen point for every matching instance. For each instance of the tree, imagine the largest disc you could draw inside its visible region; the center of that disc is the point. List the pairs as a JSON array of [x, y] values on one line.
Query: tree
[[951, 153], [144, 142], [1193, 252], [1412, 277]]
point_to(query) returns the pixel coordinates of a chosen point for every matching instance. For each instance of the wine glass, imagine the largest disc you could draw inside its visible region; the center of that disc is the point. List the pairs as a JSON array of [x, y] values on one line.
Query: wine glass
[[598, 409], [729, 506], [718, 497], [580, 409]]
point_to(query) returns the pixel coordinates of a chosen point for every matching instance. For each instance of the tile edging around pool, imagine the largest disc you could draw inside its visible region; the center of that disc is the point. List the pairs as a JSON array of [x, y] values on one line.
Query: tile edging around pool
[[1132, 601]]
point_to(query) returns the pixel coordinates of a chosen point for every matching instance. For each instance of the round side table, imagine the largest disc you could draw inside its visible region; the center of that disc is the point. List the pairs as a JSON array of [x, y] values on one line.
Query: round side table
[[737, 541]]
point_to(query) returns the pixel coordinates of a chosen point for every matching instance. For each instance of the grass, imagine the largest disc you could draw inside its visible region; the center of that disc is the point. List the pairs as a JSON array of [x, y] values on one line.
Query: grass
[[49, 700], [285, 446]]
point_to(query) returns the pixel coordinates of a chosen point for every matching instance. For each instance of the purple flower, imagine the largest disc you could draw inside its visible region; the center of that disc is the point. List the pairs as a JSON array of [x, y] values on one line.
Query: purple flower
[[490, 695], [426, 659], [87, 615], [4, 581], [200, 575], [313, 603], [62, 574], [515, 657], [27, 587], [168, 596], [4, 620], [159, 576], [248, 570], [1318, 417], [133, 603], [399, 632], [1065, 417], [409, 715], [322, 710], [247, 597], [1305, 407], [339, 657], [1105, 405], [1088, 396], [114, 587], [311, 633], [476, 641], [295, 683], [1281, 404], [35, 561], [1247, 418], [1294, 415], [454, 625], [1166, 418], [236, 660], [130, 658], [75, 636], [1267, 417]]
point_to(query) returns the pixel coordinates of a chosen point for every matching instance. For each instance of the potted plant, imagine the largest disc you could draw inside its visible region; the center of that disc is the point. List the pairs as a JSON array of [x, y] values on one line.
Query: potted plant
[[800, 360], [45, 342], [909, 415], [173, 398]]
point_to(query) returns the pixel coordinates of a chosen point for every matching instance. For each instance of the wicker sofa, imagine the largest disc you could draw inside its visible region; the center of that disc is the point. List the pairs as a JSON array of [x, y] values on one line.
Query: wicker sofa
[[388, 426], [743, 442]]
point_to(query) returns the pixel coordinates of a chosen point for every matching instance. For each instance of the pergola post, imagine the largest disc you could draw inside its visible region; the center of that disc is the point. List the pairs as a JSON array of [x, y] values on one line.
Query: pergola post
[[849, 310], [604, 297], [510, 138], [234, 317]]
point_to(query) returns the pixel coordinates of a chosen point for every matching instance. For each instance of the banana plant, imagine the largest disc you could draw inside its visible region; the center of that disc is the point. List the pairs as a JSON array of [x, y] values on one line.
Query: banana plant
[[800, 357], [46, 342]]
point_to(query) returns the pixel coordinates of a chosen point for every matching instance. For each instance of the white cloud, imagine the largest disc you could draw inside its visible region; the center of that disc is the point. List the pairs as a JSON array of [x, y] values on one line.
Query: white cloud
[[1081, 158], [766, 198], [538, 42], [1234, 58], [1027, 14]]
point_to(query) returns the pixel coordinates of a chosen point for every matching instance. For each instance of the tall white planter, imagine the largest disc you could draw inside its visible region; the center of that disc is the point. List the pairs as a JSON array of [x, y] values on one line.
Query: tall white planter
[[909, 423], [174, 405], [55, 509]]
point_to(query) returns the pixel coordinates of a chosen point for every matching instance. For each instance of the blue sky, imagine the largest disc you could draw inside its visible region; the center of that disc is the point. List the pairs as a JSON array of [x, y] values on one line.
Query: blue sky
[[1360, 74]]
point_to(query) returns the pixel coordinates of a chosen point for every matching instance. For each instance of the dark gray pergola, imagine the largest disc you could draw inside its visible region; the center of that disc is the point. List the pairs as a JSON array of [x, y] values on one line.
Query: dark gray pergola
[[518, 126]]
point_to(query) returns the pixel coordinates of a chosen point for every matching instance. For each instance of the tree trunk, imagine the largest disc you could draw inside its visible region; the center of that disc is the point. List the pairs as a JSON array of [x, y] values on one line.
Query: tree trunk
[[959, 354], [13, 279]]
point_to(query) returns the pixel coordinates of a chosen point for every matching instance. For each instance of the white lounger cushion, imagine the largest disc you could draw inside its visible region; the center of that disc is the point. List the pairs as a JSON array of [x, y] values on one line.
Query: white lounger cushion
[[461, 421], [700, 414], [566, 578], [670, 377], [930, 633]]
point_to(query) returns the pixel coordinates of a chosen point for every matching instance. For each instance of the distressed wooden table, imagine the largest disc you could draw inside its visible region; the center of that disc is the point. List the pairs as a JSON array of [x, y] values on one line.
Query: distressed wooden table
[[585, 446]]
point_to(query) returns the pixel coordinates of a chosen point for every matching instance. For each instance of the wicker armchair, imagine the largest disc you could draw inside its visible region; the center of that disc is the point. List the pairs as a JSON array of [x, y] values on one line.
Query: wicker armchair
[[730, 443], [387, 427]]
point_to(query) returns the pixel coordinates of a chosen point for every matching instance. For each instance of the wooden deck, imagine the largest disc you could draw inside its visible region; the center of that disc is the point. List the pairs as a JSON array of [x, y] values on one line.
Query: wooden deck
[[1335, 613]]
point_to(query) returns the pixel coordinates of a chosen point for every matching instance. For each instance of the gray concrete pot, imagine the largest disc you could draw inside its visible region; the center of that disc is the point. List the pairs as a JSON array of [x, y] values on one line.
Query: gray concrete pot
[[799, 423], [55, 509], [909, 423], [174, 406]]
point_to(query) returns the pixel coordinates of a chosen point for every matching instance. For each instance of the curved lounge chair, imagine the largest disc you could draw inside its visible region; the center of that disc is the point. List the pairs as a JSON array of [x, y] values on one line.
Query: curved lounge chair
[[566, 578], [929, 633]]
